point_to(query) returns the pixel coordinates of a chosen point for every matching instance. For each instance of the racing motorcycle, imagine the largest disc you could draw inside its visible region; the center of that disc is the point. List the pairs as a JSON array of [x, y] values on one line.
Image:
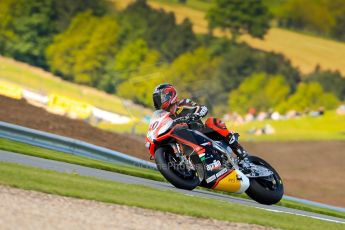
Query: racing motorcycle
[[188, 158]]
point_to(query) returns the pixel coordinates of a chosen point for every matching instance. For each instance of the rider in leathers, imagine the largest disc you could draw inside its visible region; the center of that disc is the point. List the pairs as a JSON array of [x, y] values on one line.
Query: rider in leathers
[[165, 97]]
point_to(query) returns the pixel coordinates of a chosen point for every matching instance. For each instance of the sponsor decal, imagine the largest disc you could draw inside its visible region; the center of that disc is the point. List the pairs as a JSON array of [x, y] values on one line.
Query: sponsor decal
[[211, 178], [215, 165], [179, 110], [232, 180], [217, 175], [221, 172]]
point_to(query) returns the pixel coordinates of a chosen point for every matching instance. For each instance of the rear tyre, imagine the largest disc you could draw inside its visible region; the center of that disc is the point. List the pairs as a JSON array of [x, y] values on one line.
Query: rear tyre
[[265, 190], [179, 176]]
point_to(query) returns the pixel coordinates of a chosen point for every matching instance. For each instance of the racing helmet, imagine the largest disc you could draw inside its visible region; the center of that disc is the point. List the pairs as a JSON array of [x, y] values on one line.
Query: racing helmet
[[164, 95]]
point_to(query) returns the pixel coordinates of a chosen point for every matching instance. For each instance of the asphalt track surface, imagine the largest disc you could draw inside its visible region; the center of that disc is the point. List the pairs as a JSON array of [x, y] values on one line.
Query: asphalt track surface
[[106, 175]]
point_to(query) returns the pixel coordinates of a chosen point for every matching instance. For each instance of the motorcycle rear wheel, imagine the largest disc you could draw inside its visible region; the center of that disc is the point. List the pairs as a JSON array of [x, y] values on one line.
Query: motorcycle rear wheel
[[179, 177], [262, 190]]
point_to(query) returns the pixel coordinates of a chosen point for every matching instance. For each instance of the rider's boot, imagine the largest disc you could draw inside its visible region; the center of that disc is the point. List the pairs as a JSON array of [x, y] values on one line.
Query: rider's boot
[[219, 126], [238, 149]]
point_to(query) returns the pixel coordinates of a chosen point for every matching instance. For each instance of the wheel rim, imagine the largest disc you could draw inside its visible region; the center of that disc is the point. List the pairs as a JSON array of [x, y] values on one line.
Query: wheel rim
[[271, 183], [179, 169]]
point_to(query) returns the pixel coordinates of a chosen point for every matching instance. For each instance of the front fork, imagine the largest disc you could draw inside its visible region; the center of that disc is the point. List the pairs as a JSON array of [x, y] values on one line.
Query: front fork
[[179, 153], [193, 163]]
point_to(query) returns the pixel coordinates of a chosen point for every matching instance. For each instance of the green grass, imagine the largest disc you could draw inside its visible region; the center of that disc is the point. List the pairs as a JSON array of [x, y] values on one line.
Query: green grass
[[318, 51], [30, 150], [139, 172], [291, 204], [331, 126], [74, 185], [194, 4], [136, 128], [205, 5], [309, 208], [38, 80]]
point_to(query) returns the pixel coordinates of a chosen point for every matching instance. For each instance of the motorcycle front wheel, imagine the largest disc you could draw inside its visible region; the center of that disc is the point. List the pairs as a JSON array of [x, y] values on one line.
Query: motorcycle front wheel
[[265, 190], [177, 174]]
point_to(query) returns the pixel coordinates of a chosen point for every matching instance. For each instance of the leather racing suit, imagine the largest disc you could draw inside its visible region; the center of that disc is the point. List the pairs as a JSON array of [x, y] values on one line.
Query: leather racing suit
[[213, 127]]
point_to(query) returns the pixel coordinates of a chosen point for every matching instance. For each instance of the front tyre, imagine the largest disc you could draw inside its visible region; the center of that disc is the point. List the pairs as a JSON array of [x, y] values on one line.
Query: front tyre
[[176, 174], [265, 190]]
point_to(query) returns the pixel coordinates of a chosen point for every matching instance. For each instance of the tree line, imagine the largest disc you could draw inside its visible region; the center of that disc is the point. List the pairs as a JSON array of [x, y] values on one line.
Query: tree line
[[128, 52], [320, 17], [323, 17]]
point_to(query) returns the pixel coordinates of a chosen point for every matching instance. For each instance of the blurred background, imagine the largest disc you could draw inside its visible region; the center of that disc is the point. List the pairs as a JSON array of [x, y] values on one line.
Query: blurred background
[[274, 72]]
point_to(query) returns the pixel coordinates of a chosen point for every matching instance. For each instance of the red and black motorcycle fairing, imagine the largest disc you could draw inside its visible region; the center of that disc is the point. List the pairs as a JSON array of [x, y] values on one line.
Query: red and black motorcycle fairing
[[196, 146], [200, 150], [188, 158]]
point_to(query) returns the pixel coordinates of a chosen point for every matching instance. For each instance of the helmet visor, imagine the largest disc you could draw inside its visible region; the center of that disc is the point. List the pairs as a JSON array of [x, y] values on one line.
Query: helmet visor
[[165, 97], [157, 101]]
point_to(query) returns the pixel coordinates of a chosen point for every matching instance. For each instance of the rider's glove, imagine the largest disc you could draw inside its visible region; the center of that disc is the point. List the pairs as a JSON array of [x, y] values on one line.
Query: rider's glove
[[187, 119], [202, 111], [233, 138], [193, 117]]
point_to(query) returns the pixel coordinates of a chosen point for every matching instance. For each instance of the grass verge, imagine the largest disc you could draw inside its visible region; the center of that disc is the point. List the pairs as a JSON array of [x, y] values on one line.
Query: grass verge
[[74, 185], [34, 78], [330, 126], [134, 171], [31, 150]]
